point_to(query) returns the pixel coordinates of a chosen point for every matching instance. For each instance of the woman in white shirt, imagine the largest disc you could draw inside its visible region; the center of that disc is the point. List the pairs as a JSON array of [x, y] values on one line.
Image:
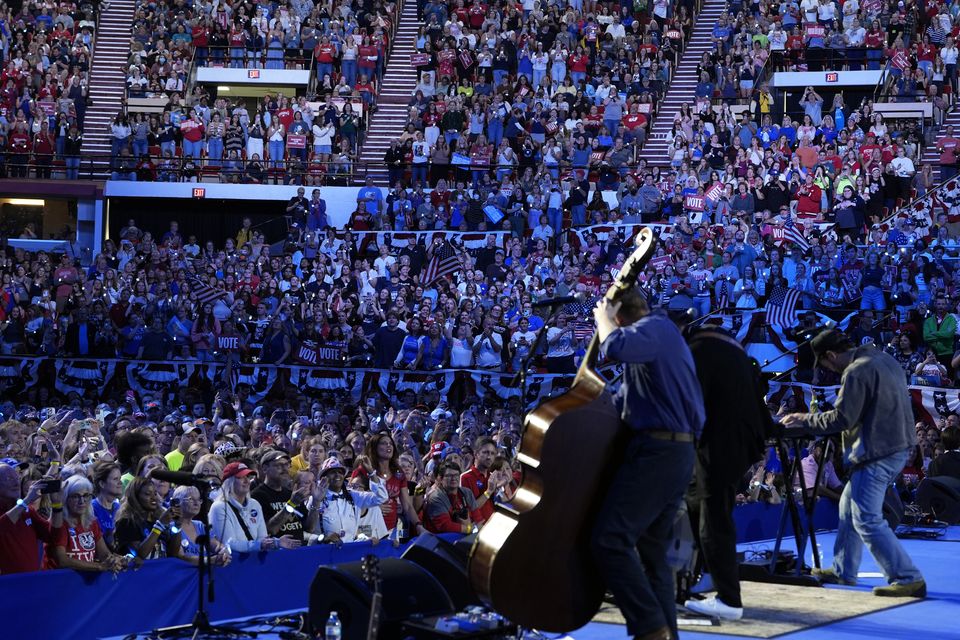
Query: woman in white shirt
[[323, 139], [542, 231], [487, 346], [461, 348], [237, 520]]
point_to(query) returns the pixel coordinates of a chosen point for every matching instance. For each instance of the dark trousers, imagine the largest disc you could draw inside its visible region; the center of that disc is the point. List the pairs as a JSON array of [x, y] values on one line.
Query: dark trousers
[[635, 526], [711, 504]]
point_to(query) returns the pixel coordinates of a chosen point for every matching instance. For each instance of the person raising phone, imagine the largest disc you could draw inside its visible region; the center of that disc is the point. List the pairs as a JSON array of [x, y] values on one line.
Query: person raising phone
[[21, 526]]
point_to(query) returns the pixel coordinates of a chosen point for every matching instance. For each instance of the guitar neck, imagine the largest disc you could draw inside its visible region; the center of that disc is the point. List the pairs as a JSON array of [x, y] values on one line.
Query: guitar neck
[[373, 627]]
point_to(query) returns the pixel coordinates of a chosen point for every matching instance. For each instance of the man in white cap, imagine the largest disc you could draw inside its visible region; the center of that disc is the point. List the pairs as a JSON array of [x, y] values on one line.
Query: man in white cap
[[341, 506]]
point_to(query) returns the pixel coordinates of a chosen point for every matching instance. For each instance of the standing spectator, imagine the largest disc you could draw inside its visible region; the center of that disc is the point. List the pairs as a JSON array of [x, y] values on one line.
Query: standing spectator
[[22, 528], [79, 544]]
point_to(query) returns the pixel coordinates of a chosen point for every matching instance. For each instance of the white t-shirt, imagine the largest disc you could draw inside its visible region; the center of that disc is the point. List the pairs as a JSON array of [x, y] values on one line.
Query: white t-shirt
[[383, 264], [486, 356], [562, 347]]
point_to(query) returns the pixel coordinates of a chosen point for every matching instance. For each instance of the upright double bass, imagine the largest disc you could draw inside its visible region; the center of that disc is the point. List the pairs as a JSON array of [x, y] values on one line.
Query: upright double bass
[[532, 560]]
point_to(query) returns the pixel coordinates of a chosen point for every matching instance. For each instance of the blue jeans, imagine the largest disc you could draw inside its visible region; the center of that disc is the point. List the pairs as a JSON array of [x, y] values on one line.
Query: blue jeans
[[578, 215], [275, 148], [348, 68], [701, 305], [873, 299], [73, 167], [140, 148], [192, 149], [214, 150], [635, 526], [418, 173], [236, 57], [555, 217], [861, 522]]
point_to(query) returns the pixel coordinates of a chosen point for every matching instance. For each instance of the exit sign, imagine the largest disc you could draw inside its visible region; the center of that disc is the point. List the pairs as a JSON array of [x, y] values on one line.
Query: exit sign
[[833, 76], [253, 74], [199, 192]]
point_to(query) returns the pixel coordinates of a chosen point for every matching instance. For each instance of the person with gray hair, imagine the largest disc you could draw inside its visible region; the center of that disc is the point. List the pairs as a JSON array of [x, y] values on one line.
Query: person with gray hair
[[79, 543]]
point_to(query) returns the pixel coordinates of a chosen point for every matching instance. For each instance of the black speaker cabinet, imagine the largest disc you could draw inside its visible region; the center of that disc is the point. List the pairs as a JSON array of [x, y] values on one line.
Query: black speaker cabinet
[[448, 564], [892, 507], [408, 589], [940, 495]]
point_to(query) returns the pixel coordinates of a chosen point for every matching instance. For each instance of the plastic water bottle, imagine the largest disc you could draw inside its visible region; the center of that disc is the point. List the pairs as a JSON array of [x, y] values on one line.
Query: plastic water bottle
[[814, 404], [334, 629]]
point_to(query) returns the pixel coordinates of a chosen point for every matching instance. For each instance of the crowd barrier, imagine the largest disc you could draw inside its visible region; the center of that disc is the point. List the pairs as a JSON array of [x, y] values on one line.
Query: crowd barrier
[[70, 604]]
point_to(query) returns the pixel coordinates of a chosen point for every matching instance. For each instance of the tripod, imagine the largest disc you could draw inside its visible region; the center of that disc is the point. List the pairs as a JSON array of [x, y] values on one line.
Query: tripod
[[201, 627]]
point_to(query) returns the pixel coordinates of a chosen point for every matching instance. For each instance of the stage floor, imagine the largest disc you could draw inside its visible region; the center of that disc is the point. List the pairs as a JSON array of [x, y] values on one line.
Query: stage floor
[[935, 617]]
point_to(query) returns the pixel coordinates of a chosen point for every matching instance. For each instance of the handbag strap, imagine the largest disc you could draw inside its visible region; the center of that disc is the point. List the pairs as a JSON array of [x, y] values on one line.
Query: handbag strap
[[243, 525]]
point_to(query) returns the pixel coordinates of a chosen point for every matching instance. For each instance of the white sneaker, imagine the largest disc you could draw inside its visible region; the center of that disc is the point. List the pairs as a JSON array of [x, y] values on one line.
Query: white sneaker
[[715, 608]]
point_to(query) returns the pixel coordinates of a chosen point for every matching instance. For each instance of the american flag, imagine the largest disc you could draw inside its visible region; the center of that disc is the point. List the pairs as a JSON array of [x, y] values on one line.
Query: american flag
[[792, 234], [583, 325], [723, 299], [205, 293], [782, 306], [443, 263]]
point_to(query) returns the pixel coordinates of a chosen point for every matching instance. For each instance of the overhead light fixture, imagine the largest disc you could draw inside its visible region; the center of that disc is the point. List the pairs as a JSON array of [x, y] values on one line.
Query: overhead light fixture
[[26, 202]]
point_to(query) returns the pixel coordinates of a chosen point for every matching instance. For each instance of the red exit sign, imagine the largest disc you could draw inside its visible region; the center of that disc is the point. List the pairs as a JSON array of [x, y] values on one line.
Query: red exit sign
[[199, 192], [253, 74], [833, 76]]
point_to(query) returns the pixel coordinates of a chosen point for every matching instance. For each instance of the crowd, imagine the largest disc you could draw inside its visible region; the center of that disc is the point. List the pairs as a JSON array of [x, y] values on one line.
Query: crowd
[[305, 142], [535, 133], [44, 74]]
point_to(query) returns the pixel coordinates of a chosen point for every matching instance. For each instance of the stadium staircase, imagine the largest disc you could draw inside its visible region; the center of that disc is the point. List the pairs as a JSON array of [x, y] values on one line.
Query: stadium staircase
[[930, 154], [683, 83], [399, 80], [107, 82]]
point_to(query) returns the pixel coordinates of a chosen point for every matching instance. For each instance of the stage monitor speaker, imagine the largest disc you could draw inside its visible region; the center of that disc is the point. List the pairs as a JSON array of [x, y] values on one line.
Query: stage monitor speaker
[[892, 507], [407, 588], [448, 564], [940, 495]]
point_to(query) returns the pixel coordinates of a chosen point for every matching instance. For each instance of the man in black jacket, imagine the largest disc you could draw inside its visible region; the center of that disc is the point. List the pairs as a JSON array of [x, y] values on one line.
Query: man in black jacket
[[732, 440]]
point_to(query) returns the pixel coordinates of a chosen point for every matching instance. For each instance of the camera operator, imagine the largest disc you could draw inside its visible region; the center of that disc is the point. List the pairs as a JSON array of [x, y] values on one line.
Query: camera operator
[[449, 506], [808, 328]]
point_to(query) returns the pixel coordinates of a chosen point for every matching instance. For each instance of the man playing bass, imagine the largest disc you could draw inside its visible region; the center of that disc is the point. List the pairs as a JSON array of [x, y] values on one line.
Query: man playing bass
[[661, 403]]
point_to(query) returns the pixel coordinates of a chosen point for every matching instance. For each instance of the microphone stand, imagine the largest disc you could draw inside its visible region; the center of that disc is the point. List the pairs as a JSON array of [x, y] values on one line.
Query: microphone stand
[[200, 627]]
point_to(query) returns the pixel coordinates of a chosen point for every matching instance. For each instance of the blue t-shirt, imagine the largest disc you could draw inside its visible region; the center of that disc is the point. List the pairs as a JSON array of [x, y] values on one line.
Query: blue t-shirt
[[106, 516]]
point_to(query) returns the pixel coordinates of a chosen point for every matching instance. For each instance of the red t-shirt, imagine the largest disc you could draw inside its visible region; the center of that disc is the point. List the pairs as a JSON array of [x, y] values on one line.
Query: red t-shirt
[[633, 121], [79, 542], [20, 550], [476, 481]]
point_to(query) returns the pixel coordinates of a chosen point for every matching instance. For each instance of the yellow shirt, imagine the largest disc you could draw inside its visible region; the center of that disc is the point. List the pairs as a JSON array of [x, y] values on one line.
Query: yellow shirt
[[298, 464], [174, 460]]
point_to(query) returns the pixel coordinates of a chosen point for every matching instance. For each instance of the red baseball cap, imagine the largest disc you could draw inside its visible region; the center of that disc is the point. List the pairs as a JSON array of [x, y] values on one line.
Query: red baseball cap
[[237, 469]]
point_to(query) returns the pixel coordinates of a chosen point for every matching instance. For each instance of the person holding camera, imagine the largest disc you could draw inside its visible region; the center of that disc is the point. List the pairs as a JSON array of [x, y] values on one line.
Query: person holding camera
[[79, 543], [22, 527]]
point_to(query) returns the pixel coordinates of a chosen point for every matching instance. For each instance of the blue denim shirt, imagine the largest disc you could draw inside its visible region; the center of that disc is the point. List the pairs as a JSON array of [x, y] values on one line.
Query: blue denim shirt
[[659, 389]]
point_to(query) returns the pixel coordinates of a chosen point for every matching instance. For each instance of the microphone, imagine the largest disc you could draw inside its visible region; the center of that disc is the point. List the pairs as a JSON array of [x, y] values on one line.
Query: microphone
[[580, 296], [183, 479]]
